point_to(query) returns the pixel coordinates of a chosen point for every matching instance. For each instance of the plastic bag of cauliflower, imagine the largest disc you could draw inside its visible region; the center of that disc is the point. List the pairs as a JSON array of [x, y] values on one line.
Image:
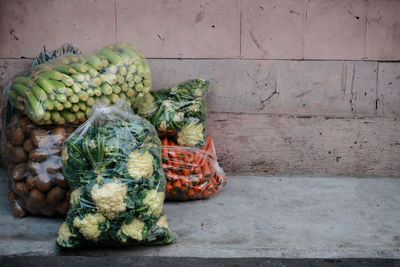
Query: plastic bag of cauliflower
[[112, 163], [178, 111]]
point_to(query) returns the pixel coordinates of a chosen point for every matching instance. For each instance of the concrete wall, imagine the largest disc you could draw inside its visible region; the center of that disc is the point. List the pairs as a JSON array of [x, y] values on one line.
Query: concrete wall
[[299, 86]]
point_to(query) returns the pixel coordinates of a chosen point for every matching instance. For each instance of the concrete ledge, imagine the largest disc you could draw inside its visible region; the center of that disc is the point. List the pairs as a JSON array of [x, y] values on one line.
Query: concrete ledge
[[253, 217]]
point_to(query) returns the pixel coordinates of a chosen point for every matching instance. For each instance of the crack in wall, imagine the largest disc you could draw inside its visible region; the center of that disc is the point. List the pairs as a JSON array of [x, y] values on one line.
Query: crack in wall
[[344, 78], [351, 89]]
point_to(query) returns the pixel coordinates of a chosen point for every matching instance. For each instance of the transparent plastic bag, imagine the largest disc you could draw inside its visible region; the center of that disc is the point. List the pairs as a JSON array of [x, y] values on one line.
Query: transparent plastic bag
[[179, 111], [113, 164], [64, 89], [192, 173], [37, 184]]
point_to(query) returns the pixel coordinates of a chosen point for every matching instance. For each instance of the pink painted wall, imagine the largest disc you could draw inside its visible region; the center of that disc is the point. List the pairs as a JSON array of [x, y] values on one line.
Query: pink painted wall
[[256, 29]]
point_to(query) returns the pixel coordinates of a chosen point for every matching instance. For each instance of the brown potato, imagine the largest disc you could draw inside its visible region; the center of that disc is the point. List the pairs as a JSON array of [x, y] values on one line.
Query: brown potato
[[26, 125], [19, 154], [11, 196], [63, 207], [10, 130], [70, 129], [32, 209], [30, 182], [19, 172], [34, 168], [41, 138], [18, 211], [17, 138], [38, 155], [48, 211], [59, 134], [38, 198], [28, 146], [61, 181], [55, 195], [68, 195], [42, 182], [16, 118], [51, 167], [21, 189], [9, 147]]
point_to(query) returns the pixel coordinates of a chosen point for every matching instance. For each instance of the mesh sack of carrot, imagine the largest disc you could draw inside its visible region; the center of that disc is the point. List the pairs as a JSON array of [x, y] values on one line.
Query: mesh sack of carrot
[[191, 173]]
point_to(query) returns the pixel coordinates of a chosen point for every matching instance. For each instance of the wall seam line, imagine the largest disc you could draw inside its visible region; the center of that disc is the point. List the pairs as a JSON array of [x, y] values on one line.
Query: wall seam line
[[115, 21]]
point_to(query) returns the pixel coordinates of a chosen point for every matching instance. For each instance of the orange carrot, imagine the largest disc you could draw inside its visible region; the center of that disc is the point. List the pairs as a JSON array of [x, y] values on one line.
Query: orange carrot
[[177, 185]]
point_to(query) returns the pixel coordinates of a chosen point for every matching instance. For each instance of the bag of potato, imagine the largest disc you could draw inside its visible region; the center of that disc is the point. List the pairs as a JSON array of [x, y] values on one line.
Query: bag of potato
[[113, 165], [37, 184]]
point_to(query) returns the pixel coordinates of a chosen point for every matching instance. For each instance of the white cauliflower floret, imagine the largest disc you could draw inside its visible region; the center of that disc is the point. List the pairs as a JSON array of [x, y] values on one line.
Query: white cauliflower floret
[[173, 90], [194, 108], [140, 165], [163, 126], [178, 117], [162, 222], [75, 196], [133, 230], [155, 201], [198, 92], [89, 225], [190, 134], [63, 233], [92, 144], [109, 198], [168, 105]]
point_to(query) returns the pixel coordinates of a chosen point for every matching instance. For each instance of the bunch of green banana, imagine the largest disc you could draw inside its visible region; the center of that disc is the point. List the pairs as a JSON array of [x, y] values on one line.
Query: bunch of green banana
[[64, 89]]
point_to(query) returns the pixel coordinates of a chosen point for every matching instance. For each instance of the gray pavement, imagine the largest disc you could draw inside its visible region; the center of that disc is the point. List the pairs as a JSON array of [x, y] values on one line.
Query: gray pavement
[[253, 217]]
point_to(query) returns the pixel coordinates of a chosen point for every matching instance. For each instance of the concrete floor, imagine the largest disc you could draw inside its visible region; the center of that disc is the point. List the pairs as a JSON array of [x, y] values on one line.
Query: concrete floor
[[278, 217]]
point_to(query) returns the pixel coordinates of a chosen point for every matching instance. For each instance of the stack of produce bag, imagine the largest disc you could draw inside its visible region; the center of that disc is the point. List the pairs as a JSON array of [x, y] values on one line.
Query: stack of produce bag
[[179, 114], [37, 184], [63, 90], [191, 173], [60, 89], [113, 164]]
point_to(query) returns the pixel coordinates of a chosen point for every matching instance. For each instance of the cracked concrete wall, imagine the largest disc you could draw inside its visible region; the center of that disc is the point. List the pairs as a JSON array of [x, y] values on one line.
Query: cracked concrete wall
[[298, 86]]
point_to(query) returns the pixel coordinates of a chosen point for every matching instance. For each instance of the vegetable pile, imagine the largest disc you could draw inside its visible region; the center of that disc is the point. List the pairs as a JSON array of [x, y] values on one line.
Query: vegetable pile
[[192, 173], [179, 111], [113, 164], [64, 89], [37, 184]]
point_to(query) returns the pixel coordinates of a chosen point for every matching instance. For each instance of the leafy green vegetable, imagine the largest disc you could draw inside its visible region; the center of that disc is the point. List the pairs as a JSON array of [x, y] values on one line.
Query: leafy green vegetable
[[178, 111], [113, 164]]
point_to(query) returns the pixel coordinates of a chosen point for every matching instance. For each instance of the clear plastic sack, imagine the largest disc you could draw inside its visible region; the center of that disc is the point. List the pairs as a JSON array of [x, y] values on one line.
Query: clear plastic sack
[[37, 184], [179, 111], [113, 164], [64, 89], [192, 173]]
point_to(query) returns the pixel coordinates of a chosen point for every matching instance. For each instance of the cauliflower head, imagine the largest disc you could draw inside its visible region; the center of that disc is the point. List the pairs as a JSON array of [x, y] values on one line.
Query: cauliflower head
[[140, 165], [190, 134], [75, 196], [63, 234], [162, 222], [133, 230], [155, 201], [109, 198], [89, 225]]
